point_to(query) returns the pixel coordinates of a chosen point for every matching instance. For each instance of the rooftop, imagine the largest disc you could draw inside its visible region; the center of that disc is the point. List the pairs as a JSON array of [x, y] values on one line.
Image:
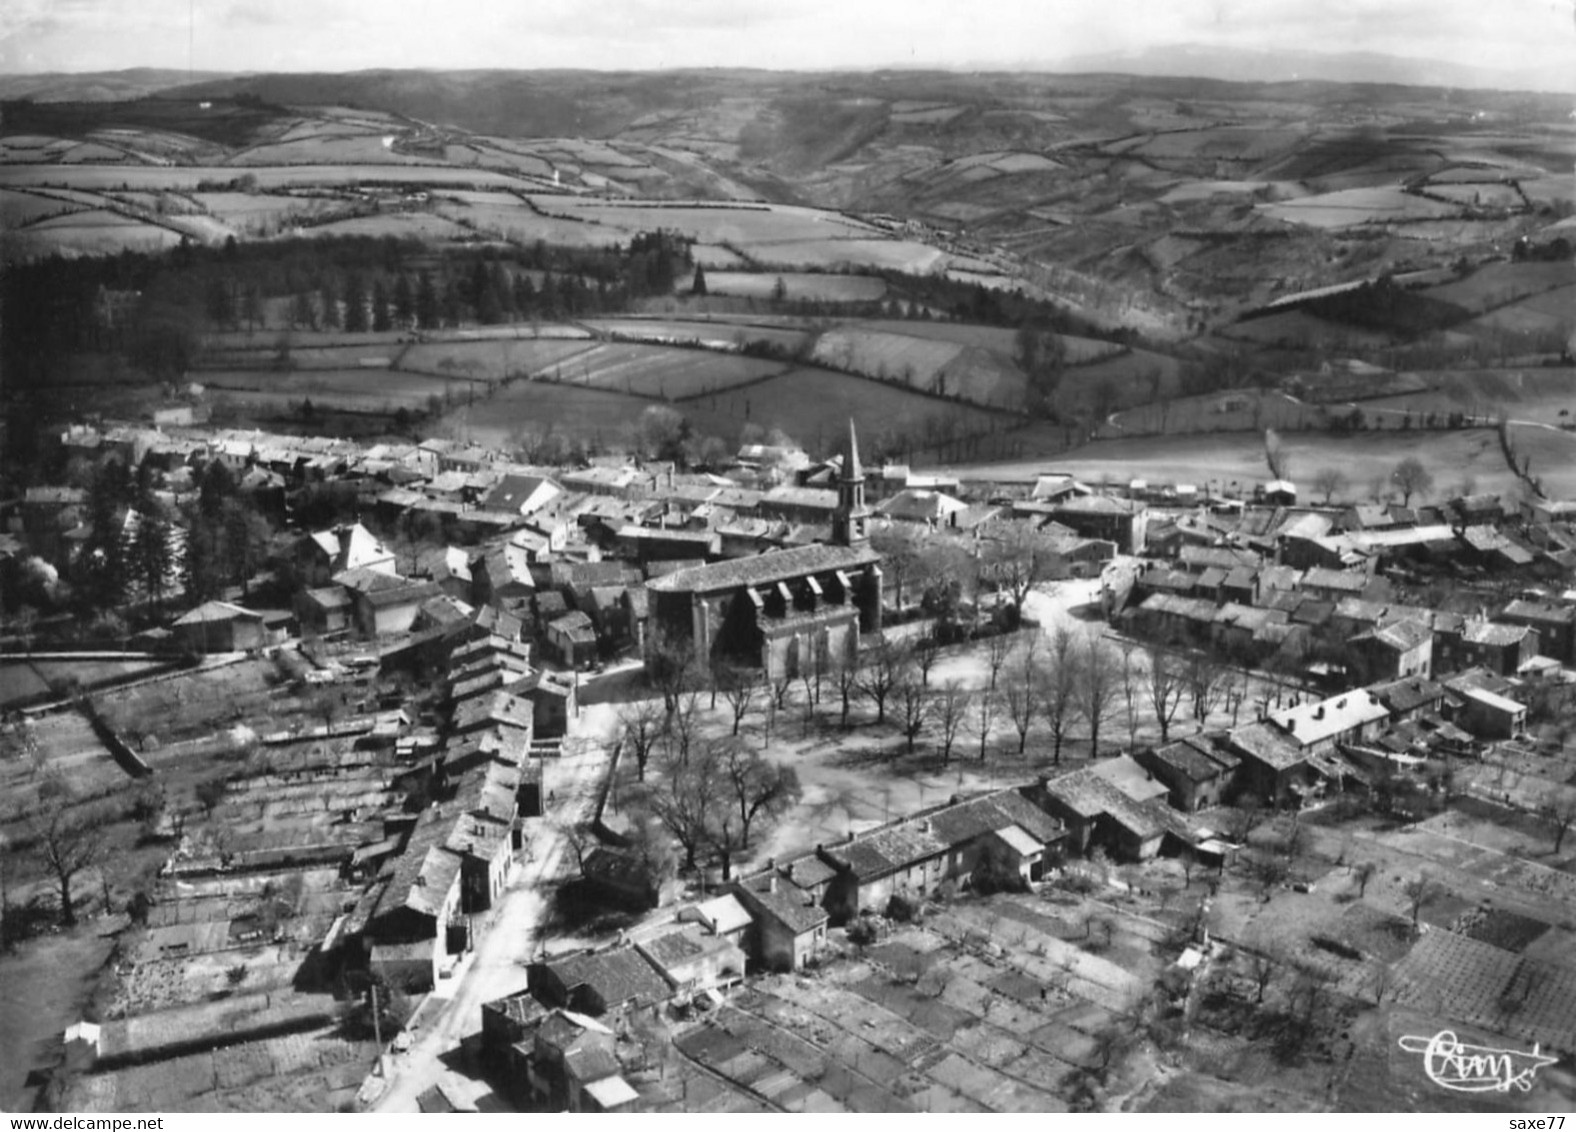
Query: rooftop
[[1313, 722], [764, 569]]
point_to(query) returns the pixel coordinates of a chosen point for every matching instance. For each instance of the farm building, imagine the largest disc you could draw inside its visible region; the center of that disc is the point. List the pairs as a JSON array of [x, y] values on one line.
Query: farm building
[[1489, 715], [1556, 626], [779, 609], [1396, 651], [1195, 771], [1097, 812], [218, 626], [1121, 521], [1273, 768], [520, 495], [788, 928], [693, 960], [600, 982], [572, 638], [1318, 727]]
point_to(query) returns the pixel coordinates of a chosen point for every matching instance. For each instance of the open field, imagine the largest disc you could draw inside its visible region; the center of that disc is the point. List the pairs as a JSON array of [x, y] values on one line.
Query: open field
[[579, 411], [1227, 458], [399, 225], [849, 254], [810, 403], [17, 209], [719, 333], [1348, 207], [358, 390], [709, 224], [796, 285], [932, 364], [1497, 284], [665, 372], [1553, 458], [1549, 312], [492, 360], [93, 238]]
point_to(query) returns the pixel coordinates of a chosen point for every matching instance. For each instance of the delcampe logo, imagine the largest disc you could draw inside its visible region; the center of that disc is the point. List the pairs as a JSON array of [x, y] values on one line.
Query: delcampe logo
[[1452, 1064]]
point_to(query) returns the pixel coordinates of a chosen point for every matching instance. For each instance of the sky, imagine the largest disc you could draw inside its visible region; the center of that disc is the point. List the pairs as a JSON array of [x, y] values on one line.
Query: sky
[[343, 35]]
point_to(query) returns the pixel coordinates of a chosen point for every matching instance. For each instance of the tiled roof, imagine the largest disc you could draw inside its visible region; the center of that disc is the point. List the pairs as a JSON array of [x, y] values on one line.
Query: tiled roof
[[787, 906], [1312, 722], [617, 976], [1267, 744], [1198, 759], [763, 569]]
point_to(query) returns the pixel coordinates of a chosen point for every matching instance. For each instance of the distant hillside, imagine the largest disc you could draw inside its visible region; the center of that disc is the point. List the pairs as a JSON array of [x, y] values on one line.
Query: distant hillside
[[107, 86], [1242, 65]]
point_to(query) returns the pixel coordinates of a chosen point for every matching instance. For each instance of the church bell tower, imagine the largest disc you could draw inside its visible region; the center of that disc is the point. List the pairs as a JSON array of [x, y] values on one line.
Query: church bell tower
[[851, 520]]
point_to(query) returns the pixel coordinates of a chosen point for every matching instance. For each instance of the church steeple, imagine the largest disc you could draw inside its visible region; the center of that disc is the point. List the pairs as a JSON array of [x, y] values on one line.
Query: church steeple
[[851, 520]]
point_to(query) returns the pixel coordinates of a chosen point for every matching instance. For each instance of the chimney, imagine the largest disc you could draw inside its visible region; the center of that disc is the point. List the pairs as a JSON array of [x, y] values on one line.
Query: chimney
[[1319, 712], [771, 884]]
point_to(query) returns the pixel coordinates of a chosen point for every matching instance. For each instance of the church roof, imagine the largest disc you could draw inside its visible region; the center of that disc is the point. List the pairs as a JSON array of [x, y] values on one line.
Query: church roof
[[764, 569]]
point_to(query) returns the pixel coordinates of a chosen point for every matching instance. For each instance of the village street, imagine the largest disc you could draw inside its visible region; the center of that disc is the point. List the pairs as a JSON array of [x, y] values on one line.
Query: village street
[[507, 937]]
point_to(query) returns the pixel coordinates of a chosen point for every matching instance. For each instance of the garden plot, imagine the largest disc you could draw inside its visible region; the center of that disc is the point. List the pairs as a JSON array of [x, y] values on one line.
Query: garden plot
[[1482, 985], [305, 1072]]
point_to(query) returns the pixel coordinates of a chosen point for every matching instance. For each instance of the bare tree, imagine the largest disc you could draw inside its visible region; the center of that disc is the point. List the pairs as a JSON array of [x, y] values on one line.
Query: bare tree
[[915, 707], [67, 837], [1059, 691], [1014, 558], [1559, 814], [760, 790], [1204, 684], [1131, 679], [1262, 966], [986, 705], [1021, 696], [1412, 477], [1275, 455], [739, 686], [1270, 872], [1364, 874], [952, 706], [927, 650], [1246, 816], [683, 722], [845, 678], [1098, 687], [998, 646], [1328, 481], [643, 725], [1165, 690], [885, 668], [1420, 892], [671, 667], [688, 796]]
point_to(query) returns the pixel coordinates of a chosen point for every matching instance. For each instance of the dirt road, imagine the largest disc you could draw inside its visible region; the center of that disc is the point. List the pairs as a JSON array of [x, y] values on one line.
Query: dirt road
[[506, 937]]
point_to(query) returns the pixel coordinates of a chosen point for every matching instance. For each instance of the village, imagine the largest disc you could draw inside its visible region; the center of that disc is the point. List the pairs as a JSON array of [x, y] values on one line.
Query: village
[[413, 776]]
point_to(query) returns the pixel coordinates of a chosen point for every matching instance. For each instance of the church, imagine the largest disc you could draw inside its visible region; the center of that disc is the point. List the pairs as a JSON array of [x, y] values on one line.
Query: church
[[784, 611]]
